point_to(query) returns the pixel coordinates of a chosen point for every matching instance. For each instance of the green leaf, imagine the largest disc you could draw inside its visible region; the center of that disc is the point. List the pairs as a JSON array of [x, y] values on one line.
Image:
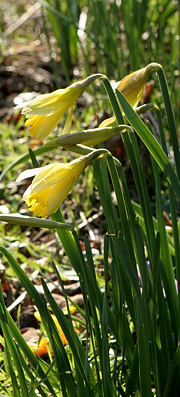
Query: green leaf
[[22, 159], [15, 332], [17, 219], [172, 385], [13, 357], [150, 142], [77, 348]]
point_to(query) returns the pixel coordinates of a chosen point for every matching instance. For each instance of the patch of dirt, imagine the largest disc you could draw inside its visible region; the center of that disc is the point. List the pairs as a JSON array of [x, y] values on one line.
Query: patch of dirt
[[25, 57]]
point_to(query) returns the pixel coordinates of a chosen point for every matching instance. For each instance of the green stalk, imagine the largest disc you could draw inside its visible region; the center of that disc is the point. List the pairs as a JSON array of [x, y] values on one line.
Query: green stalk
[[136, 166], [122, 209], [14, 353], [151, 143], [67, 241], [96, 297], [173, 216], [170, 117], [144, 356], [9, 366], [145, 201], [26, 350], [113, 100], [101, 178]]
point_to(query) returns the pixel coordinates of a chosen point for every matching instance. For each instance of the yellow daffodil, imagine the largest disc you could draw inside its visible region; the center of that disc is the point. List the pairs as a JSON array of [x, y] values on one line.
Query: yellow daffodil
[[61, 333], [132, 87], [41, 347], [51, 185], [45, 111]]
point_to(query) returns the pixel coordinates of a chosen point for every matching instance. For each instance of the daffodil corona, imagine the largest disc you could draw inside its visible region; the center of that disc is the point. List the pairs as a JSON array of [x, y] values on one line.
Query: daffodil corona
[[51, 185]]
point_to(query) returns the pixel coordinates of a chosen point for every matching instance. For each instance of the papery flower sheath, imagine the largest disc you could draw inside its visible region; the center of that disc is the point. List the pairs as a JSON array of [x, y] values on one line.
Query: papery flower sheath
[[51, 185], [45, 111]]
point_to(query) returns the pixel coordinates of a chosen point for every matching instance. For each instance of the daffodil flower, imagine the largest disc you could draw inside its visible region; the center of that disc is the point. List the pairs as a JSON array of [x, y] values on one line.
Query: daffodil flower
[[45, 111], [61, 333], [132, 87], [51, 185], [41, 347]]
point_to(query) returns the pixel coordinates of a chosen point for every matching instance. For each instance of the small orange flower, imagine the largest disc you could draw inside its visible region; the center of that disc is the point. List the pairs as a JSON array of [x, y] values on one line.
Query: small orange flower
[[41, 347]]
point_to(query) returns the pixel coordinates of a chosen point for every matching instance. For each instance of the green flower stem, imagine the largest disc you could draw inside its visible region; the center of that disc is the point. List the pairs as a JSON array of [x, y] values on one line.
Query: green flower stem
[[114, 229], [96, 153], [144, 198], [79, 149], [161, 130], [65, 236], [122, 209], [164, 252], [12, 351], [84, 270], [101, 178], [136, 165], [170, 117], [67, 241], [113, 100], [173, 215]]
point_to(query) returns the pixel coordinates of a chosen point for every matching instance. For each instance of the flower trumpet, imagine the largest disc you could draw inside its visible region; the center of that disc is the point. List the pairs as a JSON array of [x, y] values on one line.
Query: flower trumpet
[[45, 111], [52, 183]]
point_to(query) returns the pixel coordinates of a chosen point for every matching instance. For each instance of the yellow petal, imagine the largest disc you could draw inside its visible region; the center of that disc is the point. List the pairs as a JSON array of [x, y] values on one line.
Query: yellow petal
[[56, 174], [72, 310], [41, 126], [53, 174], [37, 315], [63, 338], [68, 123], [28, 174], [58, 193], [45, 111], [39, 348], [48, 104]]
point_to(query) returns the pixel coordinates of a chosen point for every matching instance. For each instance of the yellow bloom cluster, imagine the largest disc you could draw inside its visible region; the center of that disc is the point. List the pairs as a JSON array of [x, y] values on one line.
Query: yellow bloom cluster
[[53, 182]]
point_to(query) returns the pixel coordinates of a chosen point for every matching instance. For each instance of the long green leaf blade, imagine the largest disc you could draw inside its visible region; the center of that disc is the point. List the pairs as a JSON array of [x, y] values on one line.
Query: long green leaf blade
[[150, 142]]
